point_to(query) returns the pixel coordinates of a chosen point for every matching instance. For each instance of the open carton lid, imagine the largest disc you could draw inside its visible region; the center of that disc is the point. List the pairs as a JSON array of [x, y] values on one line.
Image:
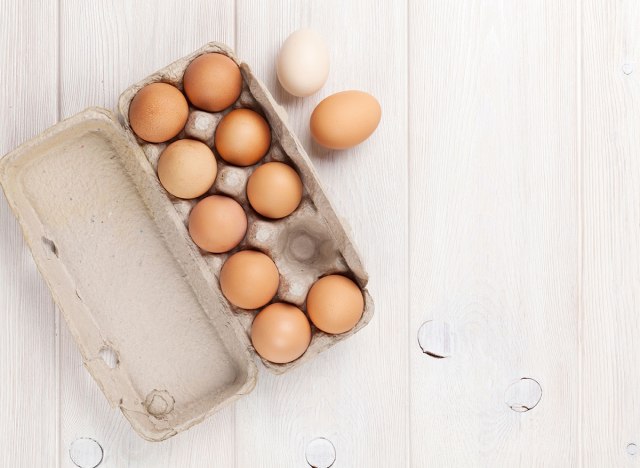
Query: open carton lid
[[120, 265]]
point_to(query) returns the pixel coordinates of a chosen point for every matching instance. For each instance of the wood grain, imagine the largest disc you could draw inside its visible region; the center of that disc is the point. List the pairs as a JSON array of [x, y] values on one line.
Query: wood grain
[[356, 394], [494, 230], [610, 347], [499, 199], [28, 349], [105, 47]]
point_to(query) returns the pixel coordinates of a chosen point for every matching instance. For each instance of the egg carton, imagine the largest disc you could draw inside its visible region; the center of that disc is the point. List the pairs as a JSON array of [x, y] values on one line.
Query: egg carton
[[114, 249]]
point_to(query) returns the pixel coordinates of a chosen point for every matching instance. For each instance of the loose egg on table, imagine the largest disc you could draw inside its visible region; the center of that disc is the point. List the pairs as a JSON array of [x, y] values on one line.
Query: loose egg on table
[[187, 168], [249, 279], [274, 190], [345, 119], [280, 333], [243, 137], [217, 224], [212, 82], [158, 112], [303, 63], [335, 304]]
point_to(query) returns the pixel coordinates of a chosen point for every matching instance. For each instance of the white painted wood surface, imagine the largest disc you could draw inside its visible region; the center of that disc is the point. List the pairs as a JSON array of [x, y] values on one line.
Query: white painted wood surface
[[29, 351], [609, 316], [495, 229], [499, 198]]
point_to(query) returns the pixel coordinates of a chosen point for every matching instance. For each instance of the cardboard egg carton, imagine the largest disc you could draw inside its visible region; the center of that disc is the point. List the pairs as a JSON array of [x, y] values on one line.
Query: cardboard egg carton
[[114, 249], [308, 244]]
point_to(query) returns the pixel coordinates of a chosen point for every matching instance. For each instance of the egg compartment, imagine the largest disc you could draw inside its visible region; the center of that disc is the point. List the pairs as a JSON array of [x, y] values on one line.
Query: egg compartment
[[306, 245]]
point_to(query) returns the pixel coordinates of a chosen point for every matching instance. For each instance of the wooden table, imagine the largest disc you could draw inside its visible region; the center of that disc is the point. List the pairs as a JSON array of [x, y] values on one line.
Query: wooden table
[[499, 199]]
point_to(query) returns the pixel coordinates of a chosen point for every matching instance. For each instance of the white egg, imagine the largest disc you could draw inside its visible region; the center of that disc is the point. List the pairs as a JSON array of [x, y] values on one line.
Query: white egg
[[303, 63]]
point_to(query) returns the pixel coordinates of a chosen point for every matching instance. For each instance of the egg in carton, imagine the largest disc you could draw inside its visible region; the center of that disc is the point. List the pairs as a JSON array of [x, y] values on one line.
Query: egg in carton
[[310, 243]]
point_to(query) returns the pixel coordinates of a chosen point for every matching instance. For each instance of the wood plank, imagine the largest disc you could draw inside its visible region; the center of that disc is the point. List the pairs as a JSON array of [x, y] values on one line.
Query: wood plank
[[28, 348], [356, 394], [494, 231], [610, 349], [105, 47]]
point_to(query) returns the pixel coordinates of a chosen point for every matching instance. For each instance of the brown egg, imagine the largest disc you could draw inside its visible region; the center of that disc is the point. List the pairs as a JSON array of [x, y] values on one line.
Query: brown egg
[[217, 224], [345, 119], [187, 168], [212, 82], [274, 190], [281, 333], [158, 112], [249, 279], [335, 304], [243, 137]]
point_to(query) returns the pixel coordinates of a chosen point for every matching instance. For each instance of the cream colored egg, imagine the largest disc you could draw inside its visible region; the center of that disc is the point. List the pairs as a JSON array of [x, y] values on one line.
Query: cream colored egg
[[303, 63], [187, 168]]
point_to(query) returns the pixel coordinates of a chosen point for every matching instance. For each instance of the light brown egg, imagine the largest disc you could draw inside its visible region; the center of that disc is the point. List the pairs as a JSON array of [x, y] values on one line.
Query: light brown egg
[[242, 137], [274, 190], [158, 112], [212, 82], [217, 224], [345, 119], [187, 168], [249, 279], [281, 333], [335, 304]]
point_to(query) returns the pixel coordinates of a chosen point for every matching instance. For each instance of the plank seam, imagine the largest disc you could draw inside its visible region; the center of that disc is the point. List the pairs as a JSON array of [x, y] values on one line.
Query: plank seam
[[579, 123], [408, 231], [57, 343], [235, 406]]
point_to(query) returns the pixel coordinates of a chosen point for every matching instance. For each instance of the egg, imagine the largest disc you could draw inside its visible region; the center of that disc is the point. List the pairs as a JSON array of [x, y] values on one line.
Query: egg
[[242, 137], [280, 333], [158, 112], [303, 63], [274, 190], [187, 168], [249, 279], [335, 304], [345, 119], [212, 82], [217, 224]]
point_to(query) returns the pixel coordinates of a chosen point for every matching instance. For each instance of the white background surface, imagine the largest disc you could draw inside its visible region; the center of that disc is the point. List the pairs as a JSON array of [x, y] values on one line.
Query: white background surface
[[500, 194]]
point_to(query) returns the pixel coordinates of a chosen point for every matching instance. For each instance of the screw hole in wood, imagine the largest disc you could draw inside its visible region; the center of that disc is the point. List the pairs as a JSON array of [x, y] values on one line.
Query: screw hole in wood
[[435, 340], [86, 452], [523, 395], [320, 453], [632, 449]]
